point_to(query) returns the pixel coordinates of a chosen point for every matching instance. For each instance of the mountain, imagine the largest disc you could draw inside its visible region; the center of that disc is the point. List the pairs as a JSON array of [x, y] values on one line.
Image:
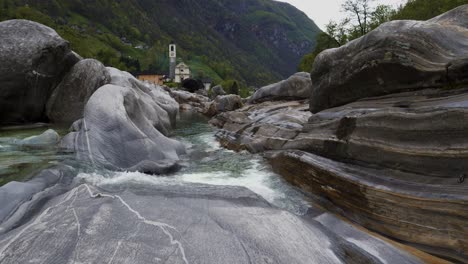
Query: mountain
[[254, 41]]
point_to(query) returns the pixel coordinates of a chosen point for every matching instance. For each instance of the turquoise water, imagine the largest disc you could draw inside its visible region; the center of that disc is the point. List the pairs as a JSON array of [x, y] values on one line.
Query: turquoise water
[[20, 163], [209, 163]]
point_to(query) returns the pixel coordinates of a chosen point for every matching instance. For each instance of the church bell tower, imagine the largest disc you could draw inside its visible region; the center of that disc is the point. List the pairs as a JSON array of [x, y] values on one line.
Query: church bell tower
[[172, 60]]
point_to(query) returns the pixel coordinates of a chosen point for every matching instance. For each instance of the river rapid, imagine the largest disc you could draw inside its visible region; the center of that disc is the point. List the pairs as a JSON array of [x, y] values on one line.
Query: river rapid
[[221, 207]]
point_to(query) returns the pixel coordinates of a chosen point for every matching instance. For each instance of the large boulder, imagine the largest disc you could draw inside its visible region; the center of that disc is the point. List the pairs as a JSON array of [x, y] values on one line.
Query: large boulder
[[33, 59], [397, 56], [296, 87], [49, 138], [67, 102], [224, 103], [167, 107], [217, 90], [124, 128], [191, 101]]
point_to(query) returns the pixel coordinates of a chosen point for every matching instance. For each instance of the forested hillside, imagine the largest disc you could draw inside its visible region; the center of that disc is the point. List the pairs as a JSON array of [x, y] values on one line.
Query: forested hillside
[[254, 41]]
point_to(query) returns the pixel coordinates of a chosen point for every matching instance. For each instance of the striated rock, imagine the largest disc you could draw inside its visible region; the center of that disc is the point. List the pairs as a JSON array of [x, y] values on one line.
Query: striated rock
[[237, 226], [191, 101], [15, 197], [420, 132], [125, 128], [404, 154], [426, 213], [33, 59], [296, 87], [224, 103], [261, 127], [67, 102], [398, 56], [166, 107], [48, 138]]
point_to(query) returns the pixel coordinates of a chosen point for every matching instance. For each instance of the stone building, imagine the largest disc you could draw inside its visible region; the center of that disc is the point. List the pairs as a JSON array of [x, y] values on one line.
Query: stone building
[[182, 72]]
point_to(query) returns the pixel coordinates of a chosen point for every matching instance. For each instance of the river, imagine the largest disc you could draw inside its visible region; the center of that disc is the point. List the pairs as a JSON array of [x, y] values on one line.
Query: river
[[221, 207]]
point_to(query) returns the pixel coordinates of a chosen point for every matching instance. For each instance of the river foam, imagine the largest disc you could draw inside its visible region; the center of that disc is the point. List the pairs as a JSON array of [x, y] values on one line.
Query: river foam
[[255, 179]]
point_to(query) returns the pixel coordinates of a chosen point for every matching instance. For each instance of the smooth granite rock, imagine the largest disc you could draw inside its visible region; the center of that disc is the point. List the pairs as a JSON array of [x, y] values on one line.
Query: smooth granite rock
[[296, 87], [224, 103], [185, 224], [48, 138], [166, 107], [67, 102], [33, 60], [398, 56], [124, 128]]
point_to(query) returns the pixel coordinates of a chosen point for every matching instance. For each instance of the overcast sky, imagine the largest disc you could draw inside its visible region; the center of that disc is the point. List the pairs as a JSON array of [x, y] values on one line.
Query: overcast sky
[[322, 11]]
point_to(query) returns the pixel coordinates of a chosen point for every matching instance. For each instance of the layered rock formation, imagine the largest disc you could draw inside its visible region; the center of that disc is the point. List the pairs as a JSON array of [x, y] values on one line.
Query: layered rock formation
[[191, 101], [382, 149], [224, 103], [202, 104], [33, 59], [262, 127], [421, 54], [296, 87]]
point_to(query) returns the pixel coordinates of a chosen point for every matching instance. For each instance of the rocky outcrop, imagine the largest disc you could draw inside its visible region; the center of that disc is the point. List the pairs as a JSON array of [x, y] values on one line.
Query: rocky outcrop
[[217, 90], [123, 129], [262, 127], [125, 126], [224, 103], [398, 56], [191, 101], [296, 87], [69, 98], [49, 138], [30, 71], [237, 226], [395, 163], [165, 106]]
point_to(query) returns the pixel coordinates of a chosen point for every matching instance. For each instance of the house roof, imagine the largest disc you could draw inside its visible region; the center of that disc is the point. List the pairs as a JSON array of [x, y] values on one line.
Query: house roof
[[148, 73], [182, 65]]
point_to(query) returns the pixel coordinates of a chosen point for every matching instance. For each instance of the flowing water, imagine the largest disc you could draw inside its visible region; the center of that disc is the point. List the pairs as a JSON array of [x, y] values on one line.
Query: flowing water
[[20, 163], [208, 163], [221, 207]]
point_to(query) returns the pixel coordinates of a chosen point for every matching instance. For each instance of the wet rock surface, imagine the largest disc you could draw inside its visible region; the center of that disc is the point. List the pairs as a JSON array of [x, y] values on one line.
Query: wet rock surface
[[30, 71], [49, 138], [191, 224]]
